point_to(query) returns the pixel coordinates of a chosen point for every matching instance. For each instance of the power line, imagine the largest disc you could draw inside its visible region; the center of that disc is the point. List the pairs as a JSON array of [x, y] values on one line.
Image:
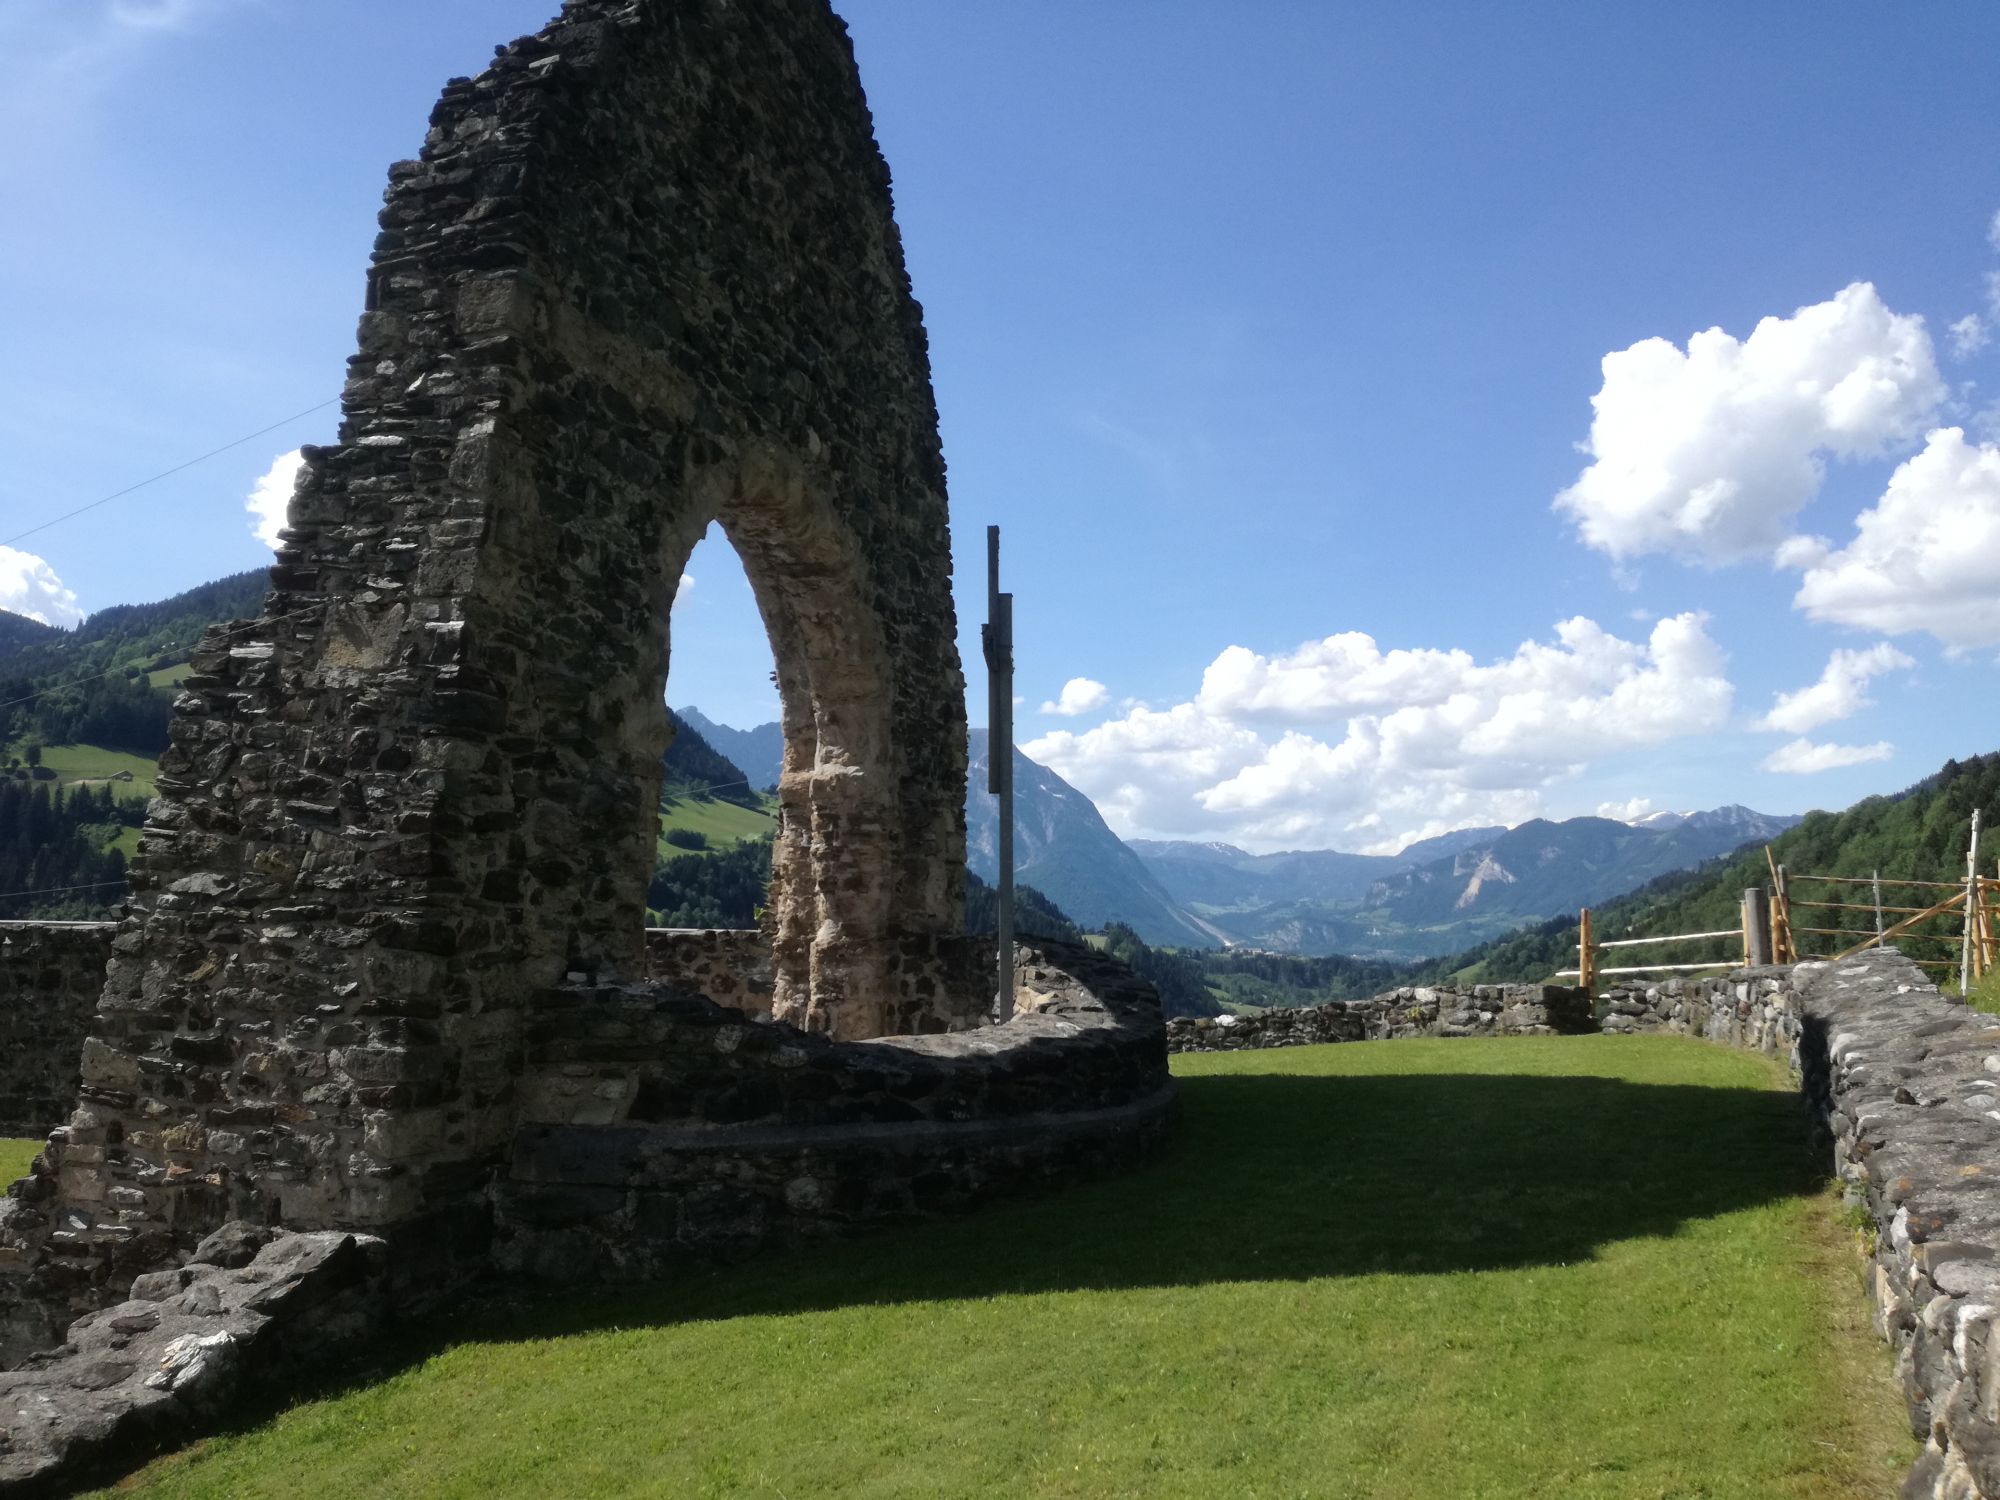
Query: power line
[[58, 890], [167, 473]]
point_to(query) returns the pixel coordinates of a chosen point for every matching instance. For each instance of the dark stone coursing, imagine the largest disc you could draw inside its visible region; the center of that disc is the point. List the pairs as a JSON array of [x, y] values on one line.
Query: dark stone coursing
[[50, 975], [1414, 1010], [660, 1128], [643, 278]]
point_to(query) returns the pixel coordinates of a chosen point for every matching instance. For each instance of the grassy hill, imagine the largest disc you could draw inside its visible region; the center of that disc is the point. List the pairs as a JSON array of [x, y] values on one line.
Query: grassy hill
[[1918, 834]]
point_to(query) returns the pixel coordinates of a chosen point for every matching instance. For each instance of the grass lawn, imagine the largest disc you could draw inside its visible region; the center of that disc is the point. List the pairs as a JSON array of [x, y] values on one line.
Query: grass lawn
[[95, 763], [171, 676], [1593, 1266], [14, 1159], [719, 822]]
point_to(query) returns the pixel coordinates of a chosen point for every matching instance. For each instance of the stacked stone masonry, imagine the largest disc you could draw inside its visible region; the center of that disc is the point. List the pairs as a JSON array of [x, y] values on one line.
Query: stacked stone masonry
[[658, 1127], [50, 976], [1906, 1084], [1483, 1010], [658, 1130], [643, 279]]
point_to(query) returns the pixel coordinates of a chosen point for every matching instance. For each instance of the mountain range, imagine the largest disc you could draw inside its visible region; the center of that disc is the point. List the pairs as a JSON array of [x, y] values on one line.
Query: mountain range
[[1438, 895], [759, 752], [1435, 897]]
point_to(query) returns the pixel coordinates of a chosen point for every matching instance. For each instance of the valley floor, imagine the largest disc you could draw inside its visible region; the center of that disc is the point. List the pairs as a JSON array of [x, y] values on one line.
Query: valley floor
[[1592, 1266]]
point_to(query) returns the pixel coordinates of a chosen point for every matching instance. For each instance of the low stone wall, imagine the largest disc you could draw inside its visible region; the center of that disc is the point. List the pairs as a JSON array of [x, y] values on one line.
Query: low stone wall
[[1754, 1008], [659, 1128], [252, 1305], [944, 982], [732, 968], [1483, 1010], [50, 977], [1905, 1084]]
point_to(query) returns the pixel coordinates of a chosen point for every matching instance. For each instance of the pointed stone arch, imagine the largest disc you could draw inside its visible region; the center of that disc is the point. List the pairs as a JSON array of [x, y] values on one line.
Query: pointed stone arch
[[643, 277]]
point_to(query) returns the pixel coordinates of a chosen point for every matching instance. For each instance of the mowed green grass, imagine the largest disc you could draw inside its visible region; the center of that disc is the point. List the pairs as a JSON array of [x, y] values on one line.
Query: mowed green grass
[[1589, 1266], [15, 1157], [95, 763], [718, 822]]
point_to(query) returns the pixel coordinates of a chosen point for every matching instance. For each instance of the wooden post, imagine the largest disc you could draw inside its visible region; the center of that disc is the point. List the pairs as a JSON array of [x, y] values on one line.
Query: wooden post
[[999, 645], [1876, 878], [1586, 955], [1971, 907], [1787, 939], [1756, 927]]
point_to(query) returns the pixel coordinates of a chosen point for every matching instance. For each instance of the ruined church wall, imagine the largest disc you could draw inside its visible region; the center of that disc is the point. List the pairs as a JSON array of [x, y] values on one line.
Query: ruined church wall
[[643, 276], [50, 975]]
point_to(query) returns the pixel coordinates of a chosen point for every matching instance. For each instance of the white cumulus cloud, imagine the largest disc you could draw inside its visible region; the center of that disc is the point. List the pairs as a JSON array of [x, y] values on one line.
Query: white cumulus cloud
[[1968, 335], [1926, 556], [1628, 811], [1842, 690], [1803, 757], [1078, 696], [270, 499], [1710, 451], [1429, 740], [29, 586]]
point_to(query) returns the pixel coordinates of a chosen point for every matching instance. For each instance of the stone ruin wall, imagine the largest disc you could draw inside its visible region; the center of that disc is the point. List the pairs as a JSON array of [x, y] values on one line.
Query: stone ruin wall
[[1412, 1010], [644, 277], [660, 1131], [50, 976]]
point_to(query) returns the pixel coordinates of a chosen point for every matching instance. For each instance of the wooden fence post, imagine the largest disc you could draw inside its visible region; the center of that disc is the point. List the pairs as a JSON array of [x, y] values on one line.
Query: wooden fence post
[[1756, 927], [1586, 955], [1965, 962], [1788, 951]]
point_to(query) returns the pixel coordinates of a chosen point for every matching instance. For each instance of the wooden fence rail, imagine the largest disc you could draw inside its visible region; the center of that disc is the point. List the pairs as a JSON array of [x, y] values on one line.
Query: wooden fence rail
[[1769, 934]]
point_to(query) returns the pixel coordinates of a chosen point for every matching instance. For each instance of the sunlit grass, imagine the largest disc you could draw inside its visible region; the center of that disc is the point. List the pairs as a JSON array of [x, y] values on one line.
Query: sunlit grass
[[1592, 1266], [15, 1157], [719, 822]]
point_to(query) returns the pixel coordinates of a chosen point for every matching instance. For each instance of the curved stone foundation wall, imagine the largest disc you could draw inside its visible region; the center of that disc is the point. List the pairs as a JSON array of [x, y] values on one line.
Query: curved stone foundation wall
[[659, 1128], [50, 976]]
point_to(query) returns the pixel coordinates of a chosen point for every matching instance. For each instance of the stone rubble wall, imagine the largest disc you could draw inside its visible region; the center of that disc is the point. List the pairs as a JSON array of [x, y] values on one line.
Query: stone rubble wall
[[1483, 1010], [1751, 1008], [660, 1128], [643, 277], [50, 976], [1905, 1084], [251, 1306]]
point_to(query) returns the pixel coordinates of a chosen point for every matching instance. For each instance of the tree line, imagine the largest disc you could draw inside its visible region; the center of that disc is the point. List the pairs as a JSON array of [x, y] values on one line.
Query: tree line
[[53, 859]]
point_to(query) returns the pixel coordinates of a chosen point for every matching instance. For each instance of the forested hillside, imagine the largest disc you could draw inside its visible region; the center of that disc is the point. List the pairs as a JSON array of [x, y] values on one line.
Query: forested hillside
[[1917, 834], [57, 847]]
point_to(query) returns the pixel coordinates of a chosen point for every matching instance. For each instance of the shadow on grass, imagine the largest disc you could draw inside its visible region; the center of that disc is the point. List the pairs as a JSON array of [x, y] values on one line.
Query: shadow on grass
[[1282, 1178]]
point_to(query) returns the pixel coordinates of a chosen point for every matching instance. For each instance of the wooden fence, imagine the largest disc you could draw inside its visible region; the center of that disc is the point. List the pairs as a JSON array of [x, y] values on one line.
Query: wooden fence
[[1962, 927]]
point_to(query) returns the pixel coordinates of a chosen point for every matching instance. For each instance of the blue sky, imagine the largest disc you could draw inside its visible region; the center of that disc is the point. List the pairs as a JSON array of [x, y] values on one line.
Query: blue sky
[[1261, 330]]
